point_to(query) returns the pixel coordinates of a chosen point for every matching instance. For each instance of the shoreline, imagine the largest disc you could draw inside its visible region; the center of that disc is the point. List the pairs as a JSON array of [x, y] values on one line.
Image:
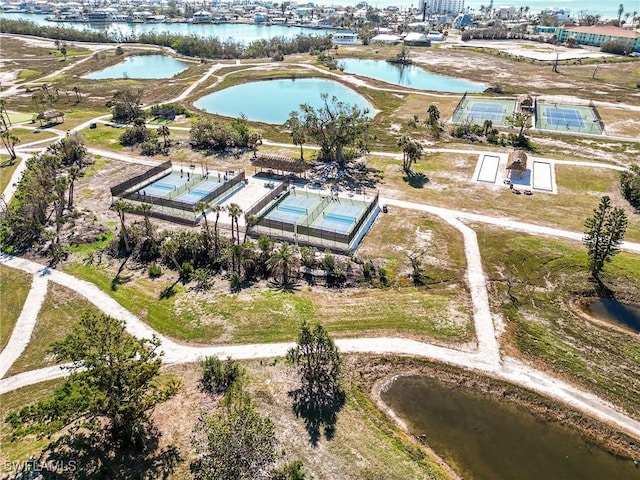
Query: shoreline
[[378, 373]]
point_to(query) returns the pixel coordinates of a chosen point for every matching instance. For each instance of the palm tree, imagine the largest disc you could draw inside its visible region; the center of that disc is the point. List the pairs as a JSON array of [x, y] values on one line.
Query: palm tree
[[4, 114], [620, 12], [9, 140], [234, 211], [165, 132], [170, 249], [434, 114], [297, 131], [76, 90], [74, 173], [282, 261], [123, 207], [486, 126], [145, 209], [202, 207], [250, 221], [216, 244]]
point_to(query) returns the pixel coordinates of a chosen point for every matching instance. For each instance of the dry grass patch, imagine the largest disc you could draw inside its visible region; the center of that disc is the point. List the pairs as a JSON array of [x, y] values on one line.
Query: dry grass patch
[[62, 308], [14, 288]]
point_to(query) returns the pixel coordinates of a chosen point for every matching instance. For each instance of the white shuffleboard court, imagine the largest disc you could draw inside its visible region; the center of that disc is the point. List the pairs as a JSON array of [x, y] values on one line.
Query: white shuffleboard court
[[542, 176], [489, 169]]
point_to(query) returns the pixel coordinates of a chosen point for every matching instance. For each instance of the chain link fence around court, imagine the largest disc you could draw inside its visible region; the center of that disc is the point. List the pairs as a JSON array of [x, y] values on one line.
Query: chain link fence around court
[[569, 118], [476, 110], [303, 233]]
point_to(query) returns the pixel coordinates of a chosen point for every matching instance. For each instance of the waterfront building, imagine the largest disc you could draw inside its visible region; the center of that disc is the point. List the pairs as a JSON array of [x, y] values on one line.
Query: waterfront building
[[596, 35], [345, 38], [449, 7]]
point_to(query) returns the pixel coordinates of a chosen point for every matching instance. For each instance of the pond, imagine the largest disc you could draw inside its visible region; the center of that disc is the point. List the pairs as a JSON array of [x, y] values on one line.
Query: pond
[[408, 76], [271, 101], [484, 438], [623, 314], [143, 67]]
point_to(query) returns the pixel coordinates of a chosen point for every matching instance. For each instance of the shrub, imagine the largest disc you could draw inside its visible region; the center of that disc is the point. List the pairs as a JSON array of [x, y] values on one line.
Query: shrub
[[617, 47], [119, 51], [218, 376], [630, 185], [339, 276], [154, 270], [329, 262], [235, 281], [308, 255], [150, 147], [186, 270], [382, 273]]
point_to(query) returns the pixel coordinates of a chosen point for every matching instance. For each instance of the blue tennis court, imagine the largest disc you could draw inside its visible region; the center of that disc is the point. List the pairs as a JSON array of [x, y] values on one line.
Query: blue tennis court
[[291, 209], [340, 218], [565, 117], [481, 111]]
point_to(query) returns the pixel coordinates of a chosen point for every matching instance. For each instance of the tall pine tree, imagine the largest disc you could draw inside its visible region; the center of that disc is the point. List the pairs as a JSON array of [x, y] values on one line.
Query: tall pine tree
[[604, 233]]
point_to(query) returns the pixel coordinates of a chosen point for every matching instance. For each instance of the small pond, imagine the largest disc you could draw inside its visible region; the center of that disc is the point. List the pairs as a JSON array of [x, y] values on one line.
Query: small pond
[[623, 314], [271, 101], [143, 67], [484, 438], [408, 76]]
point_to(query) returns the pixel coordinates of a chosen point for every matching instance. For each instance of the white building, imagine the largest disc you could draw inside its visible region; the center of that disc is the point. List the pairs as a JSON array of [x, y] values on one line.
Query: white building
[[452, 7]]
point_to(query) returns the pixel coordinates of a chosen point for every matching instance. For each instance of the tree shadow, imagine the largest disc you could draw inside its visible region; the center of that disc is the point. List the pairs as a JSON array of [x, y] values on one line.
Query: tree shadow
[[284, 287], [93, 456], [319, 408], [602, 291], [355, 174], [416, 180]]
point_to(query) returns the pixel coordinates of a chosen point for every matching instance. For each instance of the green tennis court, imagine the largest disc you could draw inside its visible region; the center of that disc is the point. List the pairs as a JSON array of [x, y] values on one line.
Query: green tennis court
[[476, 110], [568, 118]]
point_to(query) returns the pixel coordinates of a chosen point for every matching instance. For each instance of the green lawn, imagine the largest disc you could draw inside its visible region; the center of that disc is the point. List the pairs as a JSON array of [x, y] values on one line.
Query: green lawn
[[61, 309], [27, 135], [6, 170], [14, 288], [257, 314], [21, 450], [21, 117]]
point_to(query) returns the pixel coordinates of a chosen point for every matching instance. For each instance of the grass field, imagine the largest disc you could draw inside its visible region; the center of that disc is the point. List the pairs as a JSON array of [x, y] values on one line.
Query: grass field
[[534, 294], [14, 288], [449, 185], [436, 311], [6, 170], [21, 450], [27, 135], [61, 309], [21, 117]]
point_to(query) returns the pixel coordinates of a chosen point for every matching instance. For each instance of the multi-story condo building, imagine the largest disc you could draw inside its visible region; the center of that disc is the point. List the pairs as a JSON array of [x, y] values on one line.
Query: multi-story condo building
[[449, 7]]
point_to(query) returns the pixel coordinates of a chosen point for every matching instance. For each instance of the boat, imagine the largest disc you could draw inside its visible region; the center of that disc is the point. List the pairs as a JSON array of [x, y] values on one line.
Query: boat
[[98, 17]]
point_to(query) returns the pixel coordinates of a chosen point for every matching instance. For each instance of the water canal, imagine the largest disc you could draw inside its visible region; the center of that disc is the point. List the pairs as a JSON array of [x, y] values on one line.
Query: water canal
[[484, 438], [238, 32], [271, 101]]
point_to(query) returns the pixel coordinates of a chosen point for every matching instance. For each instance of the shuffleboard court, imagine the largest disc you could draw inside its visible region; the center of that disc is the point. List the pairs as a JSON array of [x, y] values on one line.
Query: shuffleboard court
[[542, 177], [489, 169]]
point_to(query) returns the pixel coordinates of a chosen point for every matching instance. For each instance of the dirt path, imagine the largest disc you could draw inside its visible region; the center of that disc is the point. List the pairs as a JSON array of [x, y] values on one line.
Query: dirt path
[[25, 324]]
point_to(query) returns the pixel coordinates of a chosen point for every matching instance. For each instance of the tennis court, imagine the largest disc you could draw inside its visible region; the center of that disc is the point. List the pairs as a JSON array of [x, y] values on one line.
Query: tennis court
[[476, 110], [568, 118], [198, 191], [164, 187], [340, 218], [292, 208]]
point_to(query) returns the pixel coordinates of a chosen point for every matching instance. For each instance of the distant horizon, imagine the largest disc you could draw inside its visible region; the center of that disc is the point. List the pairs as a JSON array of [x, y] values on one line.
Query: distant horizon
[[605, 8]]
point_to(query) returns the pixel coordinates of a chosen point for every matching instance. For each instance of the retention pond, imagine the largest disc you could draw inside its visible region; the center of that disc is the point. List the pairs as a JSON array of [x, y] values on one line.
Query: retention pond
[[408, 76], [271, 101], [625, 315], [483, 438]]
